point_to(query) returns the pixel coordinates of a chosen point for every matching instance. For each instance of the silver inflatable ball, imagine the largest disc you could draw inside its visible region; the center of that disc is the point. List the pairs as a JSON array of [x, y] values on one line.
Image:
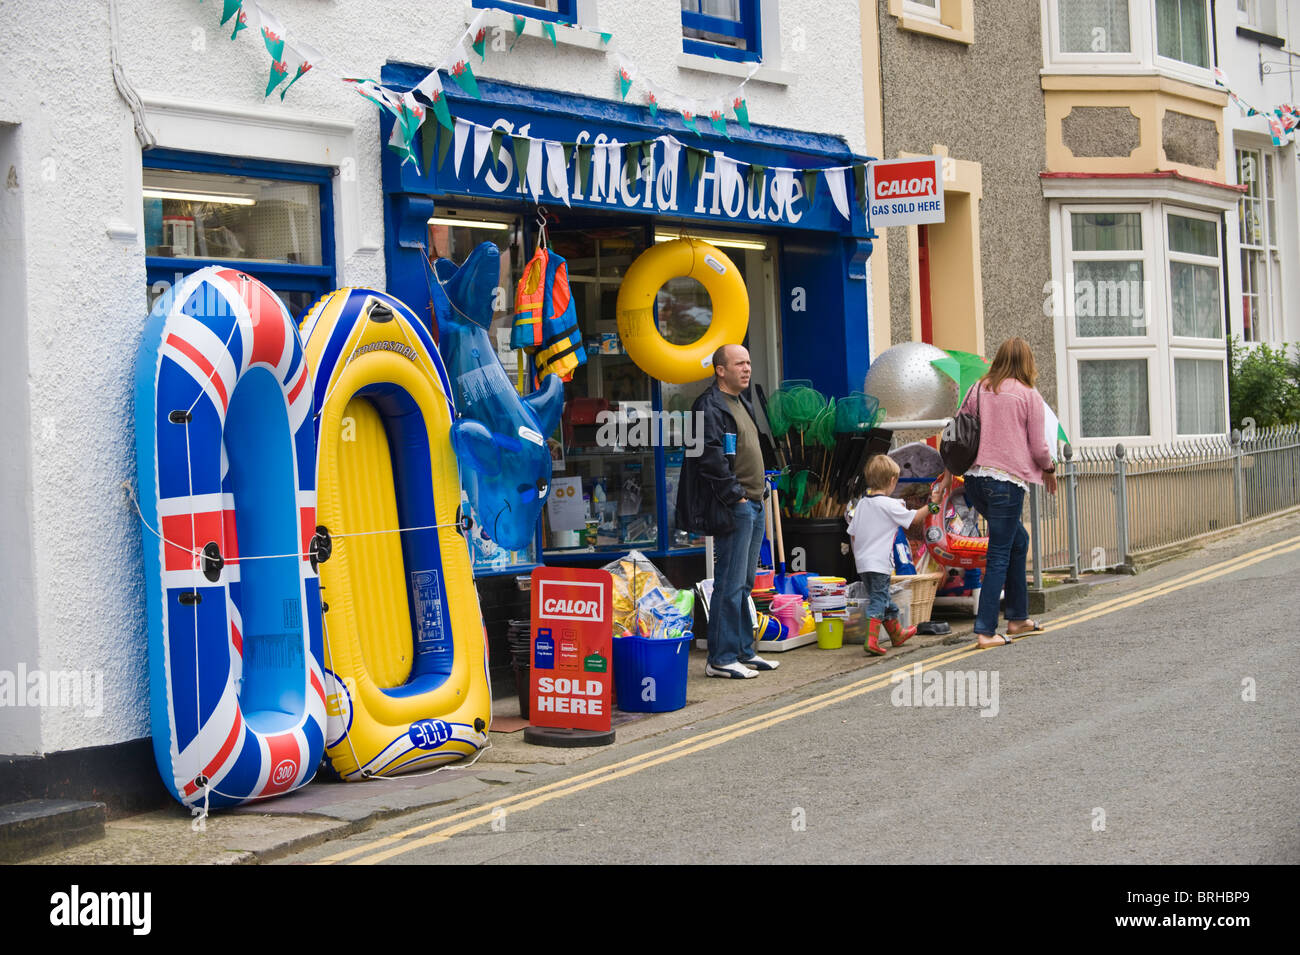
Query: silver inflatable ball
[[908, 387]]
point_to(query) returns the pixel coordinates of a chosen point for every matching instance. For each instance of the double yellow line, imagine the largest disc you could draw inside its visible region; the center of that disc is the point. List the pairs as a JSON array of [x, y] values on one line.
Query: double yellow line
[[442, 829]]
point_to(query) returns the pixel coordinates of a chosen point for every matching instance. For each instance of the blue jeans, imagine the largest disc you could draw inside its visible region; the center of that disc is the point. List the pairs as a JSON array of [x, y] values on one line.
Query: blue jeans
[[879, 606], [1001, 503], [731, 637]]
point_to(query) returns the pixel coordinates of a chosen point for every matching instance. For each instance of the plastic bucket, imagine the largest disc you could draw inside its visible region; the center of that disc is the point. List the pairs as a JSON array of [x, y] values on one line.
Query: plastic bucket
[[650, 675], [830, 633]]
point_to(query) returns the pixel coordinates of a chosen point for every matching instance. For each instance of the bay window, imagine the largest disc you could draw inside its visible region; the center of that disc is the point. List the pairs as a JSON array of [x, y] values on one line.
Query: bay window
[[1121, 35], [1143, 320]]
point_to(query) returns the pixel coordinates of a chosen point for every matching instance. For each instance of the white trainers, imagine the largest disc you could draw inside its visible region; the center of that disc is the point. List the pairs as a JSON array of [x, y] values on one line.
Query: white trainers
[[733, 670], [758, 663]]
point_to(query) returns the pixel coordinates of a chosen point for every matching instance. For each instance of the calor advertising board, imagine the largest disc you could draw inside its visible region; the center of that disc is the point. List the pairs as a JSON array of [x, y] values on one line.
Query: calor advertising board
[[905, 192], [573, 633]]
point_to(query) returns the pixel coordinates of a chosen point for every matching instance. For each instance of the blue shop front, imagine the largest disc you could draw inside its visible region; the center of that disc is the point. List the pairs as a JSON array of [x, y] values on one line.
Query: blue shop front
[[803, 265]]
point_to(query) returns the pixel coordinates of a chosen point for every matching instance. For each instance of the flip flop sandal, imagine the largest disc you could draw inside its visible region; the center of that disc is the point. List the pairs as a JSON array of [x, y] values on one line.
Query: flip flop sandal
[[1036, 628], [1006, 641]]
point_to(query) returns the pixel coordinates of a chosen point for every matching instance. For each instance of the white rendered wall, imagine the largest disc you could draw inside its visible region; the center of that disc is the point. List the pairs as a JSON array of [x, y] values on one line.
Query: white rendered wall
[[83, 250]]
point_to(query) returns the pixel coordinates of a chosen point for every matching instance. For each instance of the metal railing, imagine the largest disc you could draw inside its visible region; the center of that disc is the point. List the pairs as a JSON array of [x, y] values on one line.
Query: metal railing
[[1115, 504]]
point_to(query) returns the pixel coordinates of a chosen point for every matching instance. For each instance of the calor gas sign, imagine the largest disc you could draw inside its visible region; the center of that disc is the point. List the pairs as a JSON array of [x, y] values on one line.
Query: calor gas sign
[[905, 192]]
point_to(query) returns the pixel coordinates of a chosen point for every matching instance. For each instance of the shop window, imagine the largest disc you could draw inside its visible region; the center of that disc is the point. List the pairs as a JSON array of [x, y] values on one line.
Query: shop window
[[1195, 304], [271, 220], [557, 11], [454, 234], [1198, 396], [1260, 262], [729, 29], [607, 437], [1183, 31], [1114, 398]]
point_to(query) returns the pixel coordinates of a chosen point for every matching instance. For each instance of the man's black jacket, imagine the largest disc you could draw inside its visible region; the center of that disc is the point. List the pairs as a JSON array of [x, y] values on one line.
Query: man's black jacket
[[708, 489]]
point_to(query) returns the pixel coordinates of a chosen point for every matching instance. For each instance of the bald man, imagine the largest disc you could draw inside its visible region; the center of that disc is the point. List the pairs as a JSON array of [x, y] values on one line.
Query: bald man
[[721, 494]]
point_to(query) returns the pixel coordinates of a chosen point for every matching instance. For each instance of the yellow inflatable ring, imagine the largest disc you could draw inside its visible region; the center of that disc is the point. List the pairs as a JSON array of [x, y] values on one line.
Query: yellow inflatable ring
[[655, 355]]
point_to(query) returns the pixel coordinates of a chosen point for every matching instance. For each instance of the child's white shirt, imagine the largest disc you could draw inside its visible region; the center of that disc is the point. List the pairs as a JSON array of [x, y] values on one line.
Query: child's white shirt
[[873, 525]]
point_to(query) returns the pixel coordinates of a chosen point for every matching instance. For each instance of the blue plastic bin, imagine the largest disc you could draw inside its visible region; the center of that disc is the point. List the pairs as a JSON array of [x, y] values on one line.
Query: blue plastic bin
[[637, 659]]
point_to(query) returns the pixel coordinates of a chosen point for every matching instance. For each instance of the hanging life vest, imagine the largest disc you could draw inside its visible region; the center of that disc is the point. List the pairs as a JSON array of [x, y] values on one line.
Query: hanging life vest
[[545, 319]]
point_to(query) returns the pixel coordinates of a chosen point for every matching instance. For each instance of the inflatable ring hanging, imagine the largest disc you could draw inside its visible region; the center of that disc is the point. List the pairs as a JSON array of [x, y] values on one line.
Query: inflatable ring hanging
[[686, 257], [405, 655], [227, 473], [948, 548]]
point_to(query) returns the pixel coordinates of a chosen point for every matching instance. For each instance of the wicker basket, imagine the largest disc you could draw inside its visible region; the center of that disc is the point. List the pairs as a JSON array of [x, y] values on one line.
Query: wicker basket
[[921, 590]]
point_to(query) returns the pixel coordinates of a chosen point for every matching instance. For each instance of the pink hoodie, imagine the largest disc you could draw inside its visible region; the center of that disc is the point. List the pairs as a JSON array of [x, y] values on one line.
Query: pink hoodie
[[1011, 430]]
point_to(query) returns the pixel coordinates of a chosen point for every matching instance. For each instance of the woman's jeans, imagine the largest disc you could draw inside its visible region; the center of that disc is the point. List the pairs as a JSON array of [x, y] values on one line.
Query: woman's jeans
[[1001, 503], [731, 634]]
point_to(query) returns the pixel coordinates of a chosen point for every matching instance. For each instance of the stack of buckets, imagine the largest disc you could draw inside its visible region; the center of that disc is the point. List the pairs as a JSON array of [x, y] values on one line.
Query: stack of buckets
[[829, 600]]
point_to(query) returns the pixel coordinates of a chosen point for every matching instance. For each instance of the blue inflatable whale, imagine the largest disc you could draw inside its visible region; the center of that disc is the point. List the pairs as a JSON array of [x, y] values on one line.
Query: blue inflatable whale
[[499, 437]]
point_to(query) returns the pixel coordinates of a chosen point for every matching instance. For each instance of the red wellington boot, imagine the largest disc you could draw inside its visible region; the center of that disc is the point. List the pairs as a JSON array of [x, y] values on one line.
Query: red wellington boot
[[873, 638], [897, 635]]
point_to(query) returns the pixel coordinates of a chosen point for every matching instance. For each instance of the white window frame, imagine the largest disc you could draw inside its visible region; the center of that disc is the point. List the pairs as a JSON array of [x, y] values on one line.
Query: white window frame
[[1159, 344], [1143, 56], [1187, 341], [1218, 355], [1136, 36], [1155, 385], [924, 12], [1270, 326], [1151, 304]]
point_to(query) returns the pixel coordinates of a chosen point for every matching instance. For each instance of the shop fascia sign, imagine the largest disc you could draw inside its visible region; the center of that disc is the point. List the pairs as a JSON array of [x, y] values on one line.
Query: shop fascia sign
[[905, 192], [718, 193]]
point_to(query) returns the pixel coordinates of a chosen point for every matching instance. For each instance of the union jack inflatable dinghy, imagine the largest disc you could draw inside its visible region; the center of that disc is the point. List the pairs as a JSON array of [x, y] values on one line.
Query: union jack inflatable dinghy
[[226, 463]]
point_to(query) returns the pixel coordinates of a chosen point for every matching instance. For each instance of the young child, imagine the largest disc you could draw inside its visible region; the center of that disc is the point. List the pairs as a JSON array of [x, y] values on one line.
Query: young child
[[873, 525]]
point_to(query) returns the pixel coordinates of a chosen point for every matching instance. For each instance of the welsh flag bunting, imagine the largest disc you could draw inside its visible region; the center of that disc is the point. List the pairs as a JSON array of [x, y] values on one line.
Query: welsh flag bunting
[[624, 81], [689, 119], [549, 30], [230, 8], [606, 37], [306, 58], [273, 36], [480, 44], [756, 178], [860, 183], [464, 77], [431, 88], [1276, 130], [519, 24], [279, 70], [653, 103], [741, 109], [241, 21], [719, 122]]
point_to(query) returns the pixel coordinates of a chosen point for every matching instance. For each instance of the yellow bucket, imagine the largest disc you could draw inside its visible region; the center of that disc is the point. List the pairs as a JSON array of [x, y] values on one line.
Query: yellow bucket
[[830, 633]]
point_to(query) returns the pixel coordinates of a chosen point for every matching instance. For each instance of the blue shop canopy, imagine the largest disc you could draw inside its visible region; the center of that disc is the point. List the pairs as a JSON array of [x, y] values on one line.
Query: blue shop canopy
[[822, 254]]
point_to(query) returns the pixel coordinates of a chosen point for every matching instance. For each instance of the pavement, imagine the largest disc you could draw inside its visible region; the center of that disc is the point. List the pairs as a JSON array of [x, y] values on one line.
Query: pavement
[[326, 810]]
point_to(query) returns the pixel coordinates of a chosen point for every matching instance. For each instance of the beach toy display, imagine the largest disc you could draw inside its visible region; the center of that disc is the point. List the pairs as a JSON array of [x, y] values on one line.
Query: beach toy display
[[908, 386], [499, 437], [952, 536], [226, 467], [404, 642], [637, 326]]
